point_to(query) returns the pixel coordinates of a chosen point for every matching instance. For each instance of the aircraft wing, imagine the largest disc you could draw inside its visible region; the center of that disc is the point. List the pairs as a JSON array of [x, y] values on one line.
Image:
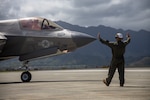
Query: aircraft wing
[[2, 41]]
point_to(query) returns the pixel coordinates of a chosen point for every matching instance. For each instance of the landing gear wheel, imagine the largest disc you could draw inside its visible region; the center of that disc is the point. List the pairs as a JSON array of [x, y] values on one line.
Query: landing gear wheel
[[26, 76]]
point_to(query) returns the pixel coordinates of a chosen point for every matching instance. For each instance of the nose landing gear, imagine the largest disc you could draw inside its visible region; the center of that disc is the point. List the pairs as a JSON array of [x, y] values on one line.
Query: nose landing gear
[[26, 75]]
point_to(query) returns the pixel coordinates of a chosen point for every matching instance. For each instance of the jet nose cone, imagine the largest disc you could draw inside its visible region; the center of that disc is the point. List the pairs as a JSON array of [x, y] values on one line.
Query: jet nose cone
[[82, 39]]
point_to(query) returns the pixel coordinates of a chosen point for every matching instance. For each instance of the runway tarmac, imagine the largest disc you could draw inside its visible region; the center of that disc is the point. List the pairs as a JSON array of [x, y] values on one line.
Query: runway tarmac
[[75, 85]]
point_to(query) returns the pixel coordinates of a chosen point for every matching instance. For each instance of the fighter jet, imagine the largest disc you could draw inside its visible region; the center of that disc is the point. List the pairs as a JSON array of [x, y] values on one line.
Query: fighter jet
[[36, 37]]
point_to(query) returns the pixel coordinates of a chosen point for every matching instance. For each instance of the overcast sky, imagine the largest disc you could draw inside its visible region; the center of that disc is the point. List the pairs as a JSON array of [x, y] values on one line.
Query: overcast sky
[[125, 14]]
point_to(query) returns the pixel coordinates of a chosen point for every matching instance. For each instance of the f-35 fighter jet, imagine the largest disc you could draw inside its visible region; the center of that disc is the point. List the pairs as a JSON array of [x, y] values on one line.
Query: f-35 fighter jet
[[36, 37]]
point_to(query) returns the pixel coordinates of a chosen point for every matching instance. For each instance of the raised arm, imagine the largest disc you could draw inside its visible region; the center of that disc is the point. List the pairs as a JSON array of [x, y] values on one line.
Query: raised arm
[[127, 41], [106, 42]]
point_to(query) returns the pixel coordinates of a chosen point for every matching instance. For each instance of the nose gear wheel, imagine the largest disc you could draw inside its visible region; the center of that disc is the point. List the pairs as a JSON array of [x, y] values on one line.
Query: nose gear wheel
[[26, 76]]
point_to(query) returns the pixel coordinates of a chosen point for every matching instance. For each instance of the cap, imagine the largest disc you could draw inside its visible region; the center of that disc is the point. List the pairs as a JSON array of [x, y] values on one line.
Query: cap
[[119, 35]]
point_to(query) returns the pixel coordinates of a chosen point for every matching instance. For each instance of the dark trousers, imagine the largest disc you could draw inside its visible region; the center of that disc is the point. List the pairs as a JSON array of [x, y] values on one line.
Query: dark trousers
[[116, 63]]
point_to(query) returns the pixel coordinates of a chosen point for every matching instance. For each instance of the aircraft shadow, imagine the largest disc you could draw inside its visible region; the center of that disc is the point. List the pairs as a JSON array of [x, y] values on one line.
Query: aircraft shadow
[[55, 81]]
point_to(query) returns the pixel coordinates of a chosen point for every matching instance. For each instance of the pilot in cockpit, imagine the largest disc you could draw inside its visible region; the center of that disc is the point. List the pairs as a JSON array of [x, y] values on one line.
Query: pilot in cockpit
[[36, 25]]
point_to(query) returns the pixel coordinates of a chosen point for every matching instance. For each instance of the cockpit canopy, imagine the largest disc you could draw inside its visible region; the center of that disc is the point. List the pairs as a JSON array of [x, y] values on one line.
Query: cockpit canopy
[[37, 23]]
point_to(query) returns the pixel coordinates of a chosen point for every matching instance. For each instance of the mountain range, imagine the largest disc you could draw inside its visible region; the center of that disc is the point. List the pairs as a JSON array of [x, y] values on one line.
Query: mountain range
[[96, 54]]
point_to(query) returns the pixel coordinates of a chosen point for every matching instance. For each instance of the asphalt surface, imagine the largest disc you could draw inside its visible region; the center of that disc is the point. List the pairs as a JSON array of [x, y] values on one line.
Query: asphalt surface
[[75, 85]]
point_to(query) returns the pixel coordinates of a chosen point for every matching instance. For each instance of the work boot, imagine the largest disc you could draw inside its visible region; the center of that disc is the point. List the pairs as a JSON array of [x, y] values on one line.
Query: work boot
[[105, 82]]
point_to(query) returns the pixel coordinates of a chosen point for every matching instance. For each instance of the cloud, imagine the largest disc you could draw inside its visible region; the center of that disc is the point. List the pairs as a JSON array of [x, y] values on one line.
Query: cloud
[[125, 14], [9, 10]]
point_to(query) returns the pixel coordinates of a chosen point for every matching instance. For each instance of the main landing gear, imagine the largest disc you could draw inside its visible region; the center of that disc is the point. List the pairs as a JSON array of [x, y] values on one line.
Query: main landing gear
[[26, 75]]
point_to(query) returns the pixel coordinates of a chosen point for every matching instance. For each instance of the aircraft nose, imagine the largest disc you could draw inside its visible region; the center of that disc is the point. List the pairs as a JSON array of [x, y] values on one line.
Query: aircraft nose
[[82, 39]]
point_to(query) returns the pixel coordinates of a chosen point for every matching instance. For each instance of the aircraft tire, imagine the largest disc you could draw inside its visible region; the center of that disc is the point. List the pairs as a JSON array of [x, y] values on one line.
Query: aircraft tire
[[26, 76]]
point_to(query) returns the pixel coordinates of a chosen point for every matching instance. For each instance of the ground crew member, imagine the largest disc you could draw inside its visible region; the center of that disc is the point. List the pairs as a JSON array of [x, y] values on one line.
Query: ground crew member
[[118, 50]]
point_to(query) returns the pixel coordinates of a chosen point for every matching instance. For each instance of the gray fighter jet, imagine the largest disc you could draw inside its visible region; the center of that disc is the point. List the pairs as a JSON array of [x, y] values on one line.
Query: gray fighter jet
[[36, 37]]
